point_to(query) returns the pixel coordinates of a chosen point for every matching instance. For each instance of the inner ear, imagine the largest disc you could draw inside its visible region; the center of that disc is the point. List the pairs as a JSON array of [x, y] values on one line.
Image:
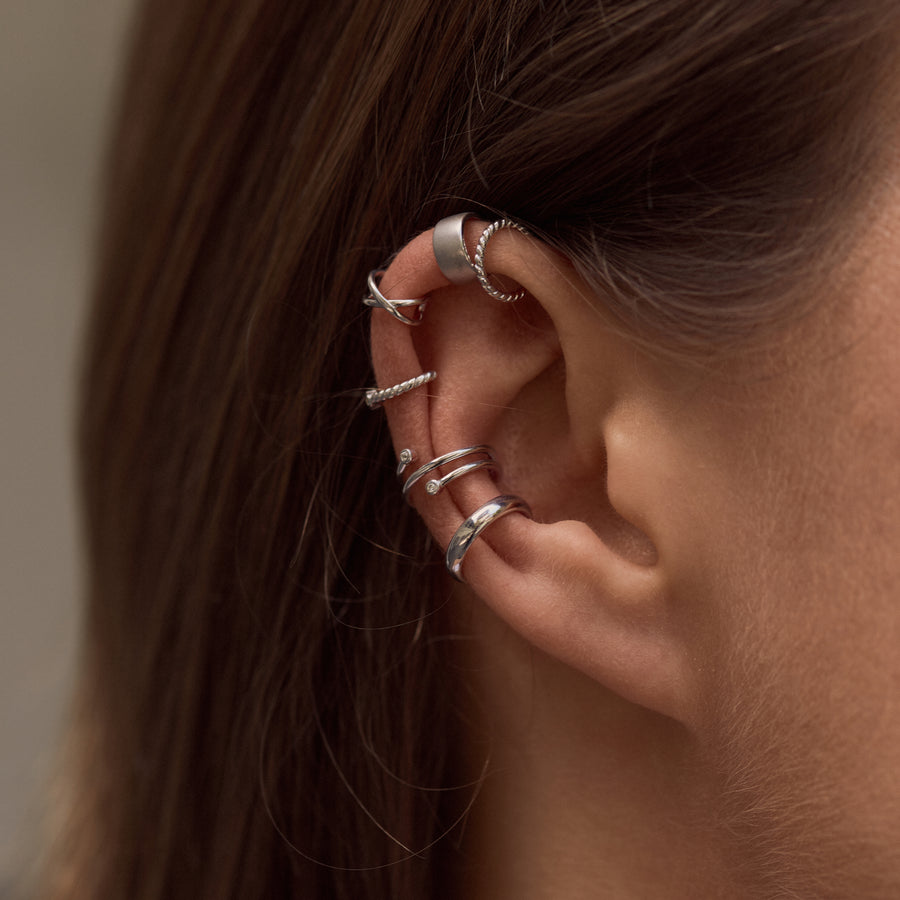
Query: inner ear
[[533, 435]]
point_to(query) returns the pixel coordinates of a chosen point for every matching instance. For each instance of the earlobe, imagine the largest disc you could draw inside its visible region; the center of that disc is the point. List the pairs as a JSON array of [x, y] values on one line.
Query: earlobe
[[502, 384]]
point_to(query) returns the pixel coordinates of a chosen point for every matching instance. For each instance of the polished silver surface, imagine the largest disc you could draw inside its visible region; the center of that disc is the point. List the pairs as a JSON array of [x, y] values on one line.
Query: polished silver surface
[[476, 523], [449, 242], [378, 300], [436, 485], [403, 461], [482, 449], [375, 396], [478, 262]]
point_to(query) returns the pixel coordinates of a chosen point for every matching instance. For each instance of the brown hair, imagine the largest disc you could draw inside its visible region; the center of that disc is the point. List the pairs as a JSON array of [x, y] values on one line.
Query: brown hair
[[268, 705]]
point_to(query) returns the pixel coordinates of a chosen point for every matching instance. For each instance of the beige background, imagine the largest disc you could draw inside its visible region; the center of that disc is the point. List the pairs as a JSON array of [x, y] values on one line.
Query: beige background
[[57, 65]]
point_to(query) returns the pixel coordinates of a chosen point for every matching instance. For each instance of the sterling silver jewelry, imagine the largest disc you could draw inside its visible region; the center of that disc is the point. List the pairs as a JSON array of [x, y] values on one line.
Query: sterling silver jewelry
[[449, 242], [378, 300], [436, 485], [375, 397], [405, 458], [476, 523], [478, 262]]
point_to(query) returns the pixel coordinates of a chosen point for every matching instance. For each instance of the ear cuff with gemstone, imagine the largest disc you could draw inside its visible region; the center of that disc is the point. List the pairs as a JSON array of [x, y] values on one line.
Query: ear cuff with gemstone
[[458, 267]]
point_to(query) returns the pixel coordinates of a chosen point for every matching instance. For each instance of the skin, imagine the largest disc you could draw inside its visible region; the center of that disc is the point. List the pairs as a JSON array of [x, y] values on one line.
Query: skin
[[723, 720]]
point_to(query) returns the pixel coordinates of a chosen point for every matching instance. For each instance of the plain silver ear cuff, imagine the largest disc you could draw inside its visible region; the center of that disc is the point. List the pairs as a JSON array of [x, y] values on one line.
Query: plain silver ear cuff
[[449, 242], [476, 523], [433, 486]]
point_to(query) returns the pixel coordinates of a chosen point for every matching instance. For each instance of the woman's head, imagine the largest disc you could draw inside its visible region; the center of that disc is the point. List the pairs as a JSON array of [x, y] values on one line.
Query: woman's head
[[267, 669]]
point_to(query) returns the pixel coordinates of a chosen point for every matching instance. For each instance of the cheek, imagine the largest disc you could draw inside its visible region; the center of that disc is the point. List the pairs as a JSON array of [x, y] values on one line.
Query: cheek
[[804, 734], [796, 529]]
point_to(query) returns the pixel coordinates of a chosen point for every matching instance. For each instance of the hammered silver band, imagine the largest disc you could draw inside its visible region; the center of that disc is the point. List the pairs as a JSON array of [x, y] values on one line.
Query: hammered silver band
[[449, 242], [375, 396], [377, 299], [478, 261], [476, 523], [436, 485]]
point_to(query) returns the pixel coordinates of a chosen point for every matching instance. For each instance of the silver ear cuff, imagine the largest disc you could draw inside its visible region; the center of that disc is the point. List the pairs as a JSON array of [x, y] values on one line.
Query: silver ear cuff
[[375, 397], [478, 262], [436, 485], [476, 523], [449, 242], [378, 300]]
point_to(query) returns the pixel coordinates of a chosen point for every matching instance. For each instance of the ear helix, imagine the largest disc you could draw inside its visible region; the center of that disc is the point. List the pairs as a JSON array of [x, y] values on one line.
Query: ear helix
[[452, 257]]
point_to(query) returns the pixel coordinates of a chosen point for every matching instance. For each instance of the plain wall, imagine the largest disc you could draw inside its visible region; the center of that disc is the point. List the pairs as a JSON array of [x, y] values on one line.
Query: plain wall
[[58, 60]]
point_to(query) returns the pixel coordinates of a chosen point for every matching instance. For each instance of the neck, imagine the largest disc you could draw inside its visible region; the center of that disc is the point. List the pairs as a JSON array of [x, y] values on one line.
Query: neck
[[587, 796]]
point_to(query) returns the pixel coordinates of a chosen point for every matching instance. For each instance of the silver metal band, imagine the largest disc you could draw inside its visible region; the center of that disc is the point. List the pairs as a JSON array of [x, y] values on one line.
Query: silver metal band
[[378, 300], [375, 397], [478, 262], [476, 523], [435, 485], [449, 242]]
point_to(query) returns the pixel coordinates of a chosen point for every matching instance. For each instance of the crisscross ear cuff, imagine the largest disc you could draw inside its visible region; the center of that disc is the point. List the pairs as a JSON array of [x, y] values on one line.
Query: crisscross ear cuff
[[454, 262]]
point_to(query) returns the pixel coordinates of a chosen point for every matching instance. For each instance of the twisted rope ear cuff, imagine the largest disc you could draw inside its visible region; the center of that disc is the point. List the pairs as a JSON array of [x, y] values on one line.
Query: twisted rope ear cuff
[[435, 485], [375, 397], [476, 523], [478, 262]]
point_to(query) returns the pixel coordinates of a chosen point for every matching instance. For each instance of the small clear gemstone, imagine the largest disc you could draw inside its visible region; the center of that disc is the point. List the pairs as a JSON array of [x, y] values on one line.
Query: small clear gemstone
[[432, 487]]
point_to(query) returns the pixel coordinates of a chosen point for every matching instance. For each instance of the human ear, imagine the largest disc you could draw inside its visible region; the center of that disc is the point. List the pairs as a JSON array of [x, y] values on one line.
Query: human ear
[[548, 385]]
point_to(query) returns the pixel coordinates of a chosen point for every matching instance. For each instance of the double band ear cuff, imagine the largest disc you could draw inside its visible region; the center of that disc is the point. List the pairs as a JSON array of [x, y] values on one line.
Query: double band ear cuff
[[478, 262], [375, 397], [436, 485], [476, 523], [378, 300]]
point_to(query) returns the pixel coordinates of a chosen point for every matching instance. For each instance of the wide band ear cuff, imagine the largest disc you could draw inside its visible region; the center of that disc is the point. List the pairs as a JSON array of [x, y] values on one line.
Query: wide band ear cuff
[[449, 243], [476, 523]]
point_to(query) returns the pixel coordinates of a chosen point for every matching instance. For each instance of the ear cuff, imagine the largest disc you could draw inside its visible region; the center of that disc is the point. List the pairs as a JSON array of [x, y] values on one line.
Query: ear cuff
[[434, 486], [448, 242], [476, 523]]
